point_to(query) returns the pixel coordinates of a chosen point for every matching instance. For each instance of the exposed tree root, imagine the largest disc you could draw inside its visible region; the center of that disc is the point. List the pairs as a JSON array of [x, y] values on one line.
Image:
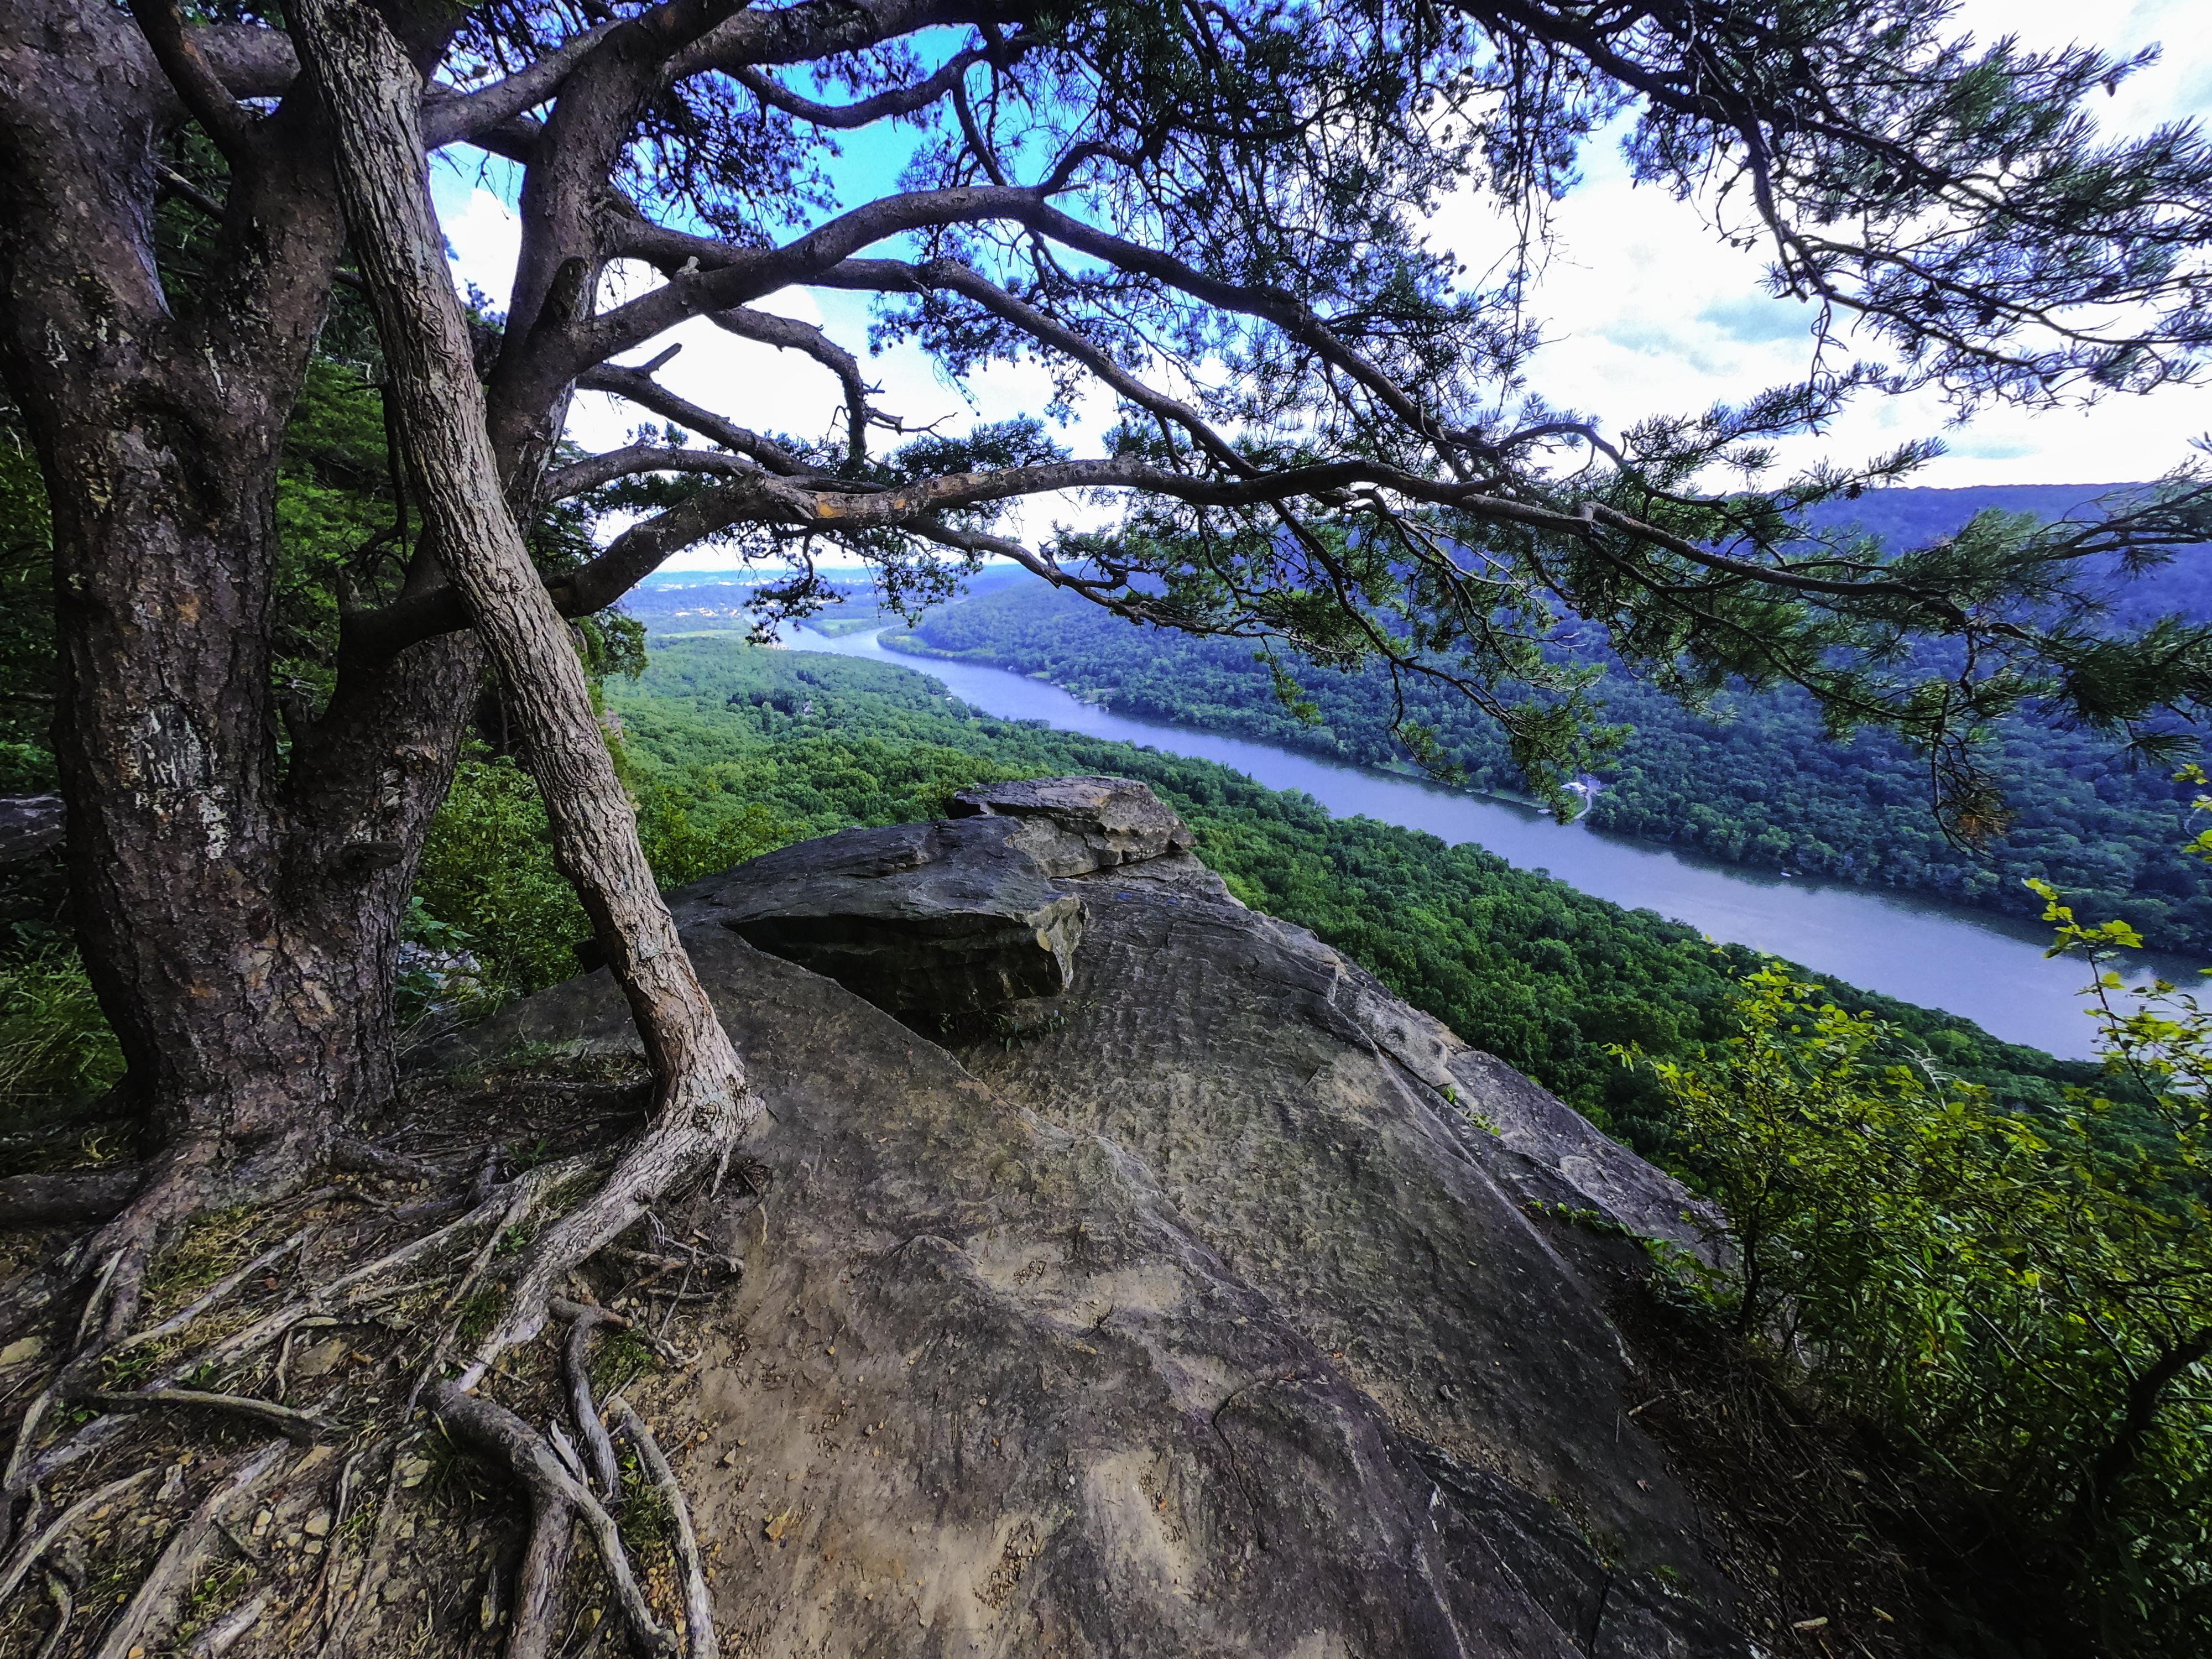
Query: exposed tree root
[[64, 1600], [533, 1459], [184, 1179], [323, 1602], [698, 1603], [300, 1427], [339, 1624], [696, 1130], [231, 1354], [221, 1636], [535, 1631], [361, 1155], [184, 1547], [36, 1543], [29, 1200], [191, 1311], [576, 1363]]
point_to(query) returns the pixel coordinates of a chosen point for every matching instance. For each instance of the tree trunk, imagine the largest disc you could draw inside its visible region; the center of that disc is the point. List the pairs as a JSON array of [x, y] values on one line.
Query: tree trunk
[[373, 93], [238, 914]]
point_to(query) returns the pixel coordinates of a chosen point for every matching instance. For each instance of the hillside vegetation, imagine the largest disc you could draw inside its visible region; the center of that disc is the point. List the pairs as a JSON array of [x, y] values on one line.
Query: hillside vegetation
[[733, 749], [1752, 780]]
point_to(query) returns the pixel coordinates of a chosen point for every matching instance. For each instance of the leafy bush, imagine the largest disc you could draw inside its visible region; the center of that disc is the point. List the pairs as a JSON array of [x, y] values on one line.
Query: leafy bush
[[488, 869], [2026, 1299]]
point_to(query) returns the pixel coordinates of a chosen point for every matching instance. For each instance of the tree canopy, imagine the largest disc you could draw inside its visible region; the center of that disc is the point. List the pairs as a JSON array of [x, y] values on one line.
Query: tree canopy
[[1220, 215]]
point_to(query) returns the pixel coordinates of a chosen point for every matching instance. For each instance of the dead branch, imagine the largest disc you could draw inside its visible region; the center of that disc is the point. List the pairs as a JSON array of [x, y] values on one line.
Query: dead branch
[[698, 1603]]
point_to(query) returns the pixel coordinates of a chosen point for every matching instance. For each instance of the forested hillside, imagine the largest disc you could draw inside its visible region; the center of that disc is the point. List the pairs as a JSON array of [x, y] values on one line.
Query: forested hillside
[[733, 749], [1755, 781]]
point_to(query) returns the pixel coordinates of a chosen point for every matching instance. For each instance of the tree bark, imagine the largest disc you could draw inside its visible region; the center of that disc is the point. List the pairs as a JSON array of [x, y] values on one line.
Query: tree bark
[[238, 912], [373, 94]]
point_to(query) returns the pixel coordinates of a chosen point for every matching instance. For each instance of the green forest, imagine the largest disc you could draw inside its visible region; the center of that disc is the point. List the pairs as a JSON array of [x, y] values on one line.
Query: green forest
[[1753, 780], [732, 749]]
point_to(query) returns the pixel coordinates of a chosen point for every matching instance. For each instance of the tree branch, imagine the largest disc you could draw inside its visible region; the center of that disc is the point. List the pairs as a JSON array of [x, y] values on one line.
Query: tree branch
[[744, 275], [461, 116], [789, 334], [638, 386], [594, 471], [883, 106], [813, 29], [823, 504], [885, 275], [179, 53]]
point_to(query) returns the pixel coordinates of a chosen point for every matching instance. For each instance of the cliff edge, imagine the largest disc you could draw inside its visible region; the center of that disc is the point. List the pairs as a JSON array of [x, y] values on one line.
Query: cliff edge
[[1126, 1272]]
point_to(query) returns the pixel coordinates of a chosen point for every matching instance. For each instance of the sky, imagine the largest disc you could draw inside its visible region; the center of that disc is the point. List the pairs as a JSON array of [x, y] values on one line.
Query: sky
[[1645, 312]]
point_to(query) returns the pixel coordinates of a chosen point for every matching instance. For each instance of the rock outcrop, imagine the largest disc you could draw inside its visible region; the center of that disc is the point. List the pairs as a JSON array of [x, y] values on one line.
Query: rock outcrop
[[1200, 1309]]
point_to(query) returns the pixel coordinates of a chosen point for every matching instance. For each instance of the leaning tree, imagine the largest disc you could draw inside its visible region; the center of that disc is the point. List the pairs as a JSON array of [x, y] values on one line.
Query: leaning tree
[[1215, 214]]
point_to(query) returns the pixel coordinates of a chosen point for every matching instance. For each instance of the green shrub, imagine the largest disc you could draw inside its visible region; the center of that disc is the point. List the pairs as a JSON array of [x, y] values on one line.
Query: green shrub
[[488, 869], [2025, 1298]]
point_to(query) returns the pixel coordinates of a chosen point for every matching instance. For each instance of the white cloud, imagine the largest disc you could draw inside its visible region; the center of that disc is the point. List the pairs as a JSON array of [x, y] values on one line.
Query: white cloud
[[1649, 312]]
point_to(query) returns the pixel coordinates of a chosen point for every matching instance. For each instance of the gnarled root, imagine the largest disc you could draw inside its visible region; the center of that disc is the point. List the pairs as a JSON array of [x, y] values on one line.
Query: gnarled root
[[539, 1469], [37, 1543], [537, 1624], [223, 1353], [221, 1636], [186, 1178], [65, 1598], [30, 1201], [698, 1604], [575, 1365], [698, 1128], [183, 1548]]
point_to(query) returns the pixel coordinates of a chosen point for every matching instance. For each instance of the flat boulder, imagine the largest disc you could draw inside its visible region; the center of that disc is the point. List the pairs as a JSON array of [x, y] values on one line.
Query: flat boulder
[[1074, 826], [1224, 1308], [941, 919]]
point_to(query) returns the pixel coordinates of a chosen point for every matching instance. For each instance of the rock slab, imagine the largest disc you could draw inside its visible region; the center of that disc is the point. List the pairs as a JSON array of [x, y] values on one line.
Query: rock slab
[[1205, 1317]]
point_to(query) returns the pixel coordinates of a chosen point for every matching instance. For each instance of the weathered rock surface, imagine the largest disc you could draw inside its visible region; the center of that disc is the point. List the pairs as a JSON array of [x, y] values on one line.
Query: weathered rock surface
[[1204, 1318], [1073, 826], [941, 918]]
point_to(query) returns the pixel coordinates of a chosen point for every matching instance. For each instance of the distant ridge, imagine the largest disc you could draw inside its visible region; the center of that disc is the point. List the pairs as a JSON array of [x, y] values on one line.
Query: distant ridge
[[1911, 515]]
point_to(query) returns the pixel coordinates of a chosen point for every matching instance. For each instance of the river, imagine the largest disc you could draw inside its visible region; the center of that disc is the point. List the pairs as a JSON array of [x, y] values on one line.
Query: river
[[1986, 968]]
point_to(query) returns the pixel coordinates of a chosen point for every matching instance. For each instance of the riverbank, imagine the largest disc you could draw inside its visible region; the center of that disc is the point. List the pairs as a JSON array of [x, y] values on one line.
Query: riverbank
[[1981, 965]]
